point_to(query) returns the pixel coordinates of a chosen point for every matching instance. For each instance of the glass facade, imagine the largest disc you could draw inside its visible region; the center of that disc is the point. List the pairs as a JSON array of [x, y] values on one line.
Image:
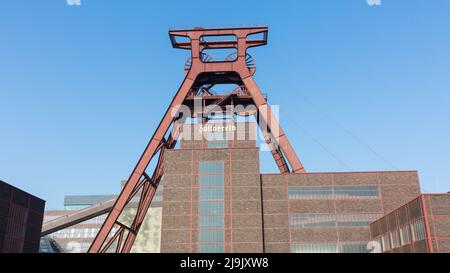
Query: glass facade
[[355, 248], [418, 230], [332, 220], [395, 239], [336, 192], [385, 242], [404, 235], [314, 248], [211, 208]]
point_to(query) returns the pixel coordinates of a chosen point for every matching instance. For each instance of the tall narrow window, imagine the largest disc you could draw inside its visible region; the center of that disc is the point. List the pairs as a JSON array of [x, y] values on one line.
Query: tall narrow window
[[395, 239], [211, 207], [418, 230], [386, 242], [405, 235]]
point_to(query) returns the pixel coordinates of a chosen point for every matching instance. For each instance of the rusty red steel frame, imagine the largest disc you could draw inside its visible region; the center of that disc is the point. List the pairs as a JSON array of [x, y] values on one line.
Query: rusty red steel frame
[[202, 72]]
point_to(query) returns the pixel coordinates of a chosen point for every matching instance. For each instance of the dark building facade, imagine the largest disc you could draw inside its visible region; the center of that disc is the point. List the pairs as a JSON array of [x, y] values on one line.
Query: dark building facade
[[215, 199], [21, 217], [421, 225]]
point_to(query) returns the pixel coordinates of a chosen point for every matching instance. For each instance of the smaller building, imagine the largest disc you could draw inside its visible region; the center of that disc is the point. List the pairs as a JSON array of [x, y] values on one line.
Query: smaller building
[[21, 217], [79, 237], [421, 226], [77, 202]]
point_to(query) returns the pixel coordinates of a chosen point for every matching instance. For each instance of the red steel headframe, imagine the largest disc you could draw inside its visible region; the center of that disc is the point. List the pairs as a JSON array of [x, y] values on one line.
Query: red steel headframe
[[199, 72]]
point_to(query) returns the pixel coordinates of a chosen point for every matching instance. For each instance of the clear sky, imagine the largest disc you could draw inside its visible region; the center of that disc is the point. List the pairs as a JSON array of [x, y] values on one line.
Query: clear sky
[[82, 88]]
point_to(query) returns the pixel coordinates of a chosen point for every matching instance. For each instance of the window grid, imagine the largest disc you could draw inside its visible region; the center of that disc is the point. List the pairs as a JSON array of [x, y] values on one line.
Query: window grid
[[344, 247], [395, 239], [314, 248], [211, 207], [385, 242], [332, 220], [405, 235], [418, 230], [333, 192]]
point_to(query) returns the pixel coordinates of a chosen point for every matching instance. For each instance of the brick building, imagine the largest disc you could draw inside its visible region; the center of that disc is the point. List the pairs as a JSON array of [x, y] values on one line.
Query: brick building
[[215, 199], [421, 225]]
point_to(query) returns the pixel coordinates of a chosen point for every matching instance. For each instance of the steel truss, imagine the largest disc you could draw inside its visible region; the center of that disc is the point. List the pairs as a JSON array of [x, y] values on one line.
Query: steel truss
[[201, 74]]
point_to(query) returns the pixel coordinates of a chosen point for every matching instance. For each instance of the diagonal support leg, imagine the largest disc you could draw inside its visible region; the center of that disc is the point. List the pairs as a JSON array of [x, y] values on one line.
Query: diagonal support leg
[[152, 148], [273, 127]]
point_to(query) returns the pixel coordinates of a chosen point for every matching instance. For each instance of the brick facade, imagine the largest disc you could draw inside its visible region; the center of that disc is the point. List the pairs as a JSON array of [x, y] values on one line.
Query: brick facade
[[425, 222], [259, 213]]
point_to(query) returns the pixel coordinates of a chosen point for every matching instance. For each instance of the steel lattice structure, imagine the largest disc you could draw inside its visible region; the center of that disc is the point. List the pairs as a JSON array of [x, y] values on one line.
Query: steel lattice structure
[[202, 72]]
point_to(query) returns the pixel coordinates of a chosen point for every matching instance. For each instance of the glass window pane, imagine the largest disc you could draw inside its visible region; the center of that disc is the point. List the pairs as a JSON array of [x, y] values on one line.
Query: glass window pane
[[211, 208], [354, 248], [314, 248], [211, 248], [211, 194], [333, 192], [211, 180], [211, 222], [211, 235], [211, 167]]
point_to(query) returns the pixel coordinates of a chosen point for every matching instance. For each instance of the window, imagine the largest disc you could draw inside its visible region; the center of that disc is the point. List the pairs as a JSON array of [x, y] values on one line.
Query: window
[[314, 248], [404, 235], [358, 191], [332, 220], [212, 236], [211, 180], [418, 230], [211, 222], [385, 242], [309, 192], [395, 239], [211, 194], [337, 192], [211, 248], [312, 220], [211, 167], [211, 207], [355, 248], [217, 144]]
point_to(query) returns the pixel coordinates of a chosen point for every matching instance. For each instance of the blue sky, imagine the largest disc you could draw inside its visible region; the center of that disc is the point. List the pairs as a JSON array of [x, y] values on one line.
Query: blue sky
[[82, 88]]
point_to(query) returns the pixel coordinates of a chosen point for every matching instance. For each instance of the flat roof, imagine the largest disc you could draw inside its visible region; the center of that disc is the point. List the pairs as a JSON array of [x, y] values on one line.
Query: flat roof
[[214, 27], [86, 199], [17, 189]]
